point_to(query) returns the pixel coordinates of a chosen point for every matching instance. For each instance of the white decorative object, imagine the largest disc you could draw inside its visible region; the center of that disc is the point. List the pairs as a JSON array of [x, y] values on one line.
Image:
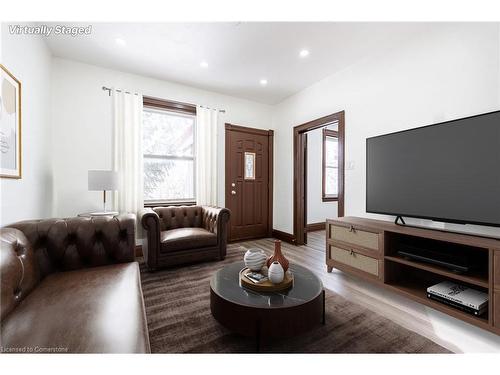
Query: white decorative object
[[276, 274], [254, 259]]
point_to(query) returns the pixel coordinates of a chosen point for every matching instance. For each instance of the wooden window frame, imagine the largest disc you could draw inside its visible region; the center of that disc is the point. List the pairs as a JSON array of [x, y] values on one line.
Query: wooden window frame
[[332, 134], [170, 106]]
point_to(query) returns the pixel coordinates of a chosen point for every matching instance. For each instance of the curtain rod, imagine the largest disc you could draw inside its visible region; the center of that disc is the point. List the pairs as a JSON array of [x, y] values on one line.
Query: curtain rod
[[108, 89]]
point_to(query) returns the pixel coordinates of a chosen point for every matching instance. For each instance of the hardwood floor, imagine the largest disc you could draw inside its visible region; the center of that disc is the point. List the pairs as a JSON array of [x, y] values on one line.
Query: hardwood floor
[[446, 331]]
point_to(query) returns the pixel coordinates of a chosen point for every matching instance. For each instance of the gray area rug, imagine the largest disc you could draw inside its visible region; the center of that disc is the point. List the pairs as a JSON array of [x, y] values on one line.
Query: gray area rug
[[179, 319]]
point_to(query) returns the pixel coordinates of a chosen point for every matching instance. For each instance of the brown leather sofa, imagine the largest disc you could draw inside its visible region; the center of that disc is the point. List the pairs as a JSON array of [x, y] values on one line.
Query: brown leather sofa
[[71, 285], [185, 234]]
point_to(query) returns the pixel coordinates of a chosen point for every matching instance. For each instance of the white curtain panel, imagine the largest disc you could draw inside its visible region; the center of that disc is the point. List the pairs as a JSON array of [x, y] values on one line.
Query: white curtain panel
[[127, 150], [206, 156]]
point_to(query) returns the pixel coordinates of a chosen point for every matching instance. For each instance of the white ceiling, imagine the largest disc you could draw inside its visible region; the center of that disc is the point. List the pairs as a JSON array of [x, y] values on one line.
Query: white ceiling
[[238, 54]]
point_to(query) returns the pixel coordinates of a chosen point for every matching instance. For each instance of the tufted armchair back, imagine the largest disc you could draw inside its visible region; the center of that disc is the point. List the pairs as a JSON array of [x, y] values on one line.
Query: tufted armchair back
[[30, 250], [179, 217]]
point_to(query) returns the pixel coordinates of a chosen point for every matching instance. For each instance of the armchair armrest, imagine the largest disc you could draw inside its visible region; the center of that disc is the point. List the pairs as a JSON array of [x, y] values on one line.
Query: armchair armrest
[[150, 221], [215, 220]]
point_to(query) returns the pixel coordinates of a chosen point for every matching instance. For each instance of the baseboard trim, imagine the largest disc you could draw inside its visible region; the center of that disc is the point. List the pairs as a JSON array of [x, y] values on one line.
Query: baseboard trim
[[315, 226], [283, 236]]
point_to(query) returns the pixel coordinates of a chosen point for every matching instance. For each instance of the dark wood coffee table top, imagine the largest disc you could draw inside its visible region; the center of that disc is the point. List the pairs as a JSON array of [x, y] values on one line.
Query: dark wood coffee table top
[[226, 284]]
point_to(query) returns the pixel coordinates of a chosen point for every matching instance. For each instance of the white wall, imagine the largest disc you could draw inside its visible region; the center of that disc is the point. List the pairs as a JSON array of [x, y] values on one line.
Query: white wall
[[29, 60], [82, 125], [317, 210], [450, 71]]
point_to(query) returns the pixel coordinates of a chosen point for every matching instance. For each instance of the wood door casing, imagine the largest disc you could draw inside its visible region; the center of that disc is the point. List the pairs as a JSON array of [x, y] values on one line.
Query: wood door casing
[[299, 170], [251, 204]]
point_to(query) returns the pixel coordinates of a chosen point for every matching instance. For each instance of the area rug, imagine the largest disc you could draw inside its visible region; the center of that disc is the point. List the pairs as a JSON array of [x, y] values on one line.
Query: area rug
[[179, 320]]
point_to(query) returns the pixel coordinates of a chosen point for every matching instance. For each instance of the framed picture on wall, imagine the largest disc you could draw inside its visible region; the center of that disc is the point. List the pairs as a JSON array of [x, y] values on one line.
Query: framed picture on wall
[[10, 125]]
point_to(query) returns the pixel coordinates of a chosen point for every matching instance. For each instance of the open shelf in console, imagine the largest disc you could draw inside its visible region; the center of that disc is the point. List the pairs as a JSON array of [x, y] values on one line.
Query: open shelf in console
[[413, 282], [472, 260]]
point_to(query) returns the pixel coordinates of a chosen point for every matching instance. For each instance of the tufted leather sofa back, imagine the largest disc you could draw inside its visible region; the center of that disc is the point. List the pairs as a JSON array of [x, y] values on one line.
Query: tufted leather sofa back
[[30, 250], [19, 272], [179, 217]]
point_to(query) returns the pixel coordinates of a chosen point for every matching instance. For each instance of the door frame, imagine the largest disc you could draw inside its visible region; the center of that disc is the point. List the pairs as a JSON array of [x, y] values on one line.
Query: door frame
[[299, 171], [227, 195]]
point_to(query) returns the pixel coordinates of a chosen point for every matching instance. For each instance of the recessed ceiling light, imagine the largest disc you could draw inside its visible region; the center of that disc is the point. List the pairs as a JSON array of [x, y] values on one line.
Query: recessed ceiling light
[[263, 82], [304, 53], [204, 64], [120, 42]]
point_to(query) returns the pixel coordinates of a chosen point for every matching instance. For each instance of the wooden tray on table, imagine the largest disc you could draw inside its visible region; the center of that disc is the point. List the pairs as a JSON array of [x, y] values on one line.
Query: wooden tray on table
[[266, 286]]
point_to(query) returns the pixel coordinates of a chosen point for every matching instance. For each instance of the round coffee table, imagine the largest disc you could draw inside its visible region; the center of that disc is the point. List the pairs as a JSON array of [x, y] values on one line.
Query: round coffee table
[[267, 315]]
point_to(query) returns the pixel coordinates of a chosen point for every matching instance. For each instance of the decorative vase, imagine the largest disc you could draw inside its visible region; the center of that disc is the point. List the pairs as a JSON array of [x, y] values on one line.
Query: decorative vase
[[276, 274], [278, 256], [254, 259]]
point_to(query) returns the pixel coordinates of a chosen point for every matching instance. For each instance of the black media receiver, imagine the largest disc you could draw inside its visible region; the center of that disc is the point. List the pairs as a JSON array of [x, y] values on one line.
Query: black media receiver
[[459, 263]]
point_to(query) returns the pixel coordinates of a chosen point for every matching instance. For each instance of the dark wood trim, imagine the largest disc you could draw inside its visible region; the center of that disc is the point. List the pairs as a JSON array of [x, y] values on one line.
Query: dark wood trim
[[284, 236], [270, 134], [168, 204], [328, 133], [318, 123], [271, 182], [341, 136], [299, 171], [248, 130], [227, 172], [138, 251], [315, 226], [298, 188], [169, 105]]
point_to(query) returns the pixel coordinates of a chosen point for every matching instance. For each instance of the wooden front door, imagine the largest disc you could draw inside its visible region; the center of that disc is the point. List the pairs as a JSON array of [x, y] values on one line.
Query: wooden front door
[[249, 171]]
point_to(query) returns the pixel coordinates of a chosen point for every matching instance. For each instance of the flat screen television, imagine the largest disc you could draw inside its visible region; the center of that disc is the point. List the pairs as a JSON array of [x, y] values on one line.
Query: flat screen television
[[446, 172]]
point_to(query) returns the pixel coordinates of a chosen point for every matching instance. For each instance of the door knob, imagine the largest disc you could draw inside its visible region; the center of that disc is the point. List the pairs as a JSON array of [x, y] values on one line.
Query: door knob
[[233, 192]]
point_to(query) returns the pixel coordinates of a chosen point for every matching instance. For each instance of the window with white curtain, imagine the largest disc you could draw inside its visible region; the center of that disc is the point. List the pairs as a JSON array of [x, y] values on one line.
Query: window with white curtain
[[169, 155]]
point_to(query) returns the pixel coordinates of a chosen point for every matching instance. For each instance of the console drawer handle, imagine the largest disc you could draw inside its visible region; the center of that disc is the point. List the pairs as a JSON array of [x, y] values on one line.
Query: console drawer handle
[[351, 229], [352, 252]]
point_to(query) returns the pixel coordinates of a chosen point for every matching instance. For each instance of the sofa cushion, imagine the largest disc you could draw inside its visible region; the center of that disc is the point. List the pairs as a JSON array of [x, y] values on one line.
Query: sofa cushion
[[186, 238], [93, 310]]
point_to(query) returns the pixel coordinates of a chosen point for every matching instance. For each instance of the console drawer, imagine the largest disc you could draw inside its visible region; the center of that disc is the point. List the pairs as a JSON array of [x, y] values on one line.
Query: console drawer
[[355, 236], [353, 259]]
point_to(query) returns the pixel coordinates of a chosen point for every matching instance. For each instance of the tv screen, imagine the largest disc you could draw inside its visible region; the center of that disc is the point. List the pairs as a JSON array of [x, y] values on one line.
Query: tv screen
[[445, 172]]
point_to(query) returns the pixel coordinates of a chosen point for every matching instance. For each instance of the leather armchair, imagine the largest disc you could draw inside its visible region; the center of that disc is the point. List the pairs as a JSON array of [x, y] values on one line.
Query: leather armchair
[[185, 234], [97, 307]]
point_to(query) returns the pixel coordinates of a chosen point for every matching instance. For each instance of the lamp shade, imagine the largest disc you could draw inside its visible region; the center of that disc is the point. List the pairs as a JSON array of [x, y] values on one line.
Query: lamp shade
[[103, 180]]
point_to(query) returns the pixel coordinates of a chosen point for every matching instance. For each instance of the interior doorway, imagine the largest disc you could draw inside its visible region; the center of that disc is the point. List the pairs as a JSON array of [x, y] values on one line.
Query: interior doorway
[[331, 128]]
